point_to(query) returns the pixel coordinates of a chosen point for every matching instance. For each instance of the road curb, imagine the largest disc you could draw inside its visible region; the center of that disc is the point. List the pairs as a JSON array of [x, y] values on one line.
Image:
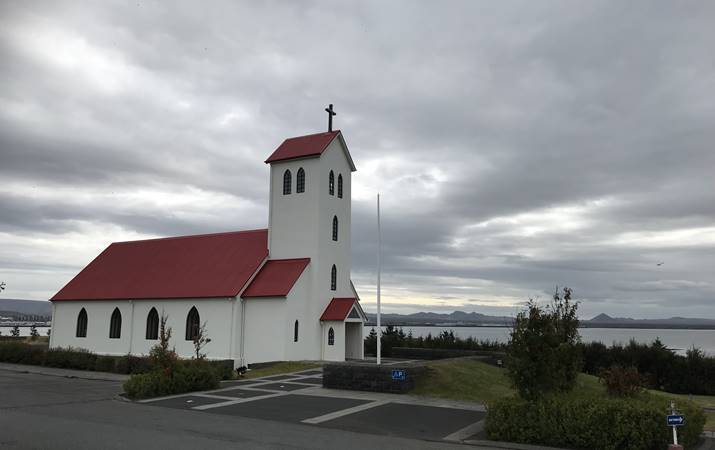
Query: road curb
[[508, 445]]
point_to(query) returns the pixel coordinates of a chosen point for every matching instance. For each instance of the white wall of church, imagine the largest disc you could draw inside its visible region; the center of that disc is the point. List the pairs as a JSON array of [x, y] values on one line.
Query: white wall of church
[[267, 329], [270, 325], [216, 313], [335, 352]]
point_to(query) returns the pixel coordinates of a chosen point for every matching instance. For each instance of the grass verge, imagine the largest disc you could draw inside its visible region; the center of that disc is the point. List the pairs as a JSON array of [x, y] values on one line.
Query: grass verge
[[473, 380], [280, 368]]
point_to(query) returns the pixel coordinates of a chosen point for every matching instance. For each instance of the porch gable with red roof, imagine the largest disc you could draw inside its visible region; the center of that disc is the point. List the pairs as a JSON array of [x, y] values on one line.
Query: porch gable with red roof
[[339, 308], [276, 278]]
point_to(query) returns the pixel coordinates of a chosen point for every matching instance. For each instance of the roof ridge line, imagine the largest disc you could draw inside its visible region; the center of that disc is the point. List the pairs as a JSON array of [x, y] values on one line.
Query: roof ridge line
[[220, 233]]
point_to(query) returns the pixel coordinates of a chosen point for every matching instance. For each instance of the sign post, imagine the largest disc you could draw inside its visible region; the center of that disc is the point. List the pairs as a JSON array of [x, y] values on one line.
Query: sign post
[[675, 420]]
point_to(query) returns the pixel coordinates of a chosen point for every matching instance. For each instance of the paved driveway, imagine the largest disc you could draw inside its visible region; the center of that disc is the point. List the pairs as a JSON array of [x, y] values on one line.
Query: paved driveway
[[300, 398], [41, 411]]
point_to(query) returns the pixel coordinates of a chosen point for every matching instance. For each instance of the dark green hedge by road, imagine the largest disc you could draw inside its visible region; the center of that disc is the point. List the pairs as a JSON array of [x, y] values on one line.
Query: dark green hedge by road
[[598, 423], [80, 359]]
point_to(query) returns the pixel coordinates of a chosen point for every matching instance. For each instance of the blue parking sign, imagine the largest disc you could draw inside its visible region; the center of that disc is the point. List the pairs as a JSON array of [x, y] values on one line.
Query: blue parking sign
[[398, 374]]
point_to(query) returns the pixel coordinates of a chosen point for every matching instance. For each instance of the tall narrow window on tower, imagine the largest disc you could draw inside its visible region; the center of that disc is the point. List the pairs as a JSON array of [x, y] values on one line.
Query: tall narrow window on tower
[[300, 181], [286, 182], [331, 183], [340, 185], [335, 228], [333, 278]]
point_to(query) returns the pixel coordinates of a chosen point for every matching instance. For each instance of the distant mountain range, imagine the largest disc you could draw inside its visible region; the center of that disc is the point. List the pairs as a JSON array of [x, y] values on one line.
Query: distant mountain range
[[13, 307], [463, 319]]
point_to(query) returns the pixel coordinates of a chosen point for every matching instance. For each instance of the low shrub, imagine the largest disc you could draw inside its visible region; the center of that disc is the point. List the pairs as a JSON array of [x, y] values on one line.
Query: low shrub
[[195, 375], [105, 363], [224, 368], [599, 423], [70, 358], [20, 353], [622, 381]]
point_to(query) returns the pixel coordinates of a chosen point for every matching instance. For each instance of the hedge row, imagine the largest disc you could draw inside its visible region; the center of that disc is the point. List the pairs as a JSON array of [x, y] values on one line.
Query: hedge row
[[394, 336], [599, 423], [664, 370], [80, 359], [191, 376]]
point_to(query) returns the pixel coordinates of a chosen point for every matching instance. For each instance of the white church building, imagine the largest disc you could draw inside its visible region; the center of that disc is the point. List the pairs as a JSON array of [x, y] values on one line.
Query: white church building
[[275, 294]]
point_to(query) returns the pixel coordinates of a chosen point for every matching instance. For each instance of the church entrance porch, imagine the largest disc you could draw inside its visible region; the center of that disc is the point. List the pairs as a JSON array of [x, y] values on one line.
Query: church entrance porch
[[354, 340], [343, 321]]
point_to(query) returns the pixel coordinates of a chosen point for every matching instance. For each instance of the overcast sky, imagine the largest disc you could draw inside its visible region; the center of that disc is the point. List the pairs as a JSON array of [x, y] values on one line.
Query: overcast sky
[[517, 145]]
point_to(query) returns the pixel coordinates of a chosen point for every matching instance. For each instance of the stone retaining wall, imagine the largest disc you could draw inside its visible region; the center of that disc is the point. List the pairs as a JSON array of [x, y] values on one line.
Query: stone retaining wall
[[359, 376]]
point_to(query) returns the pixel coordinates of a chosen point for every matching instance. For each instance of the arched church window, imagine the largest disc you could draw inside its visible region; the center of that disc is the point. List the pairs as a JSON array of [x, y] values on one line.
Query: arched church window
[[333, 278], [331, 336], [331, 183], [340, 185], [287, 180], [335, 228], [300, 181], [295, 331], [81, 323], [152, 325], [115, 325], [193, 323]]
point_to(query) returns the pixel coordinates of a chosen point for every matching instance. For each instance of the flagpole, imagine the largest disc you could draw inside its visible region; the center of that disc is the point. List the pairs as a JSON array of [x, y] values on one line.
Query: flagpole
[[379, 262]]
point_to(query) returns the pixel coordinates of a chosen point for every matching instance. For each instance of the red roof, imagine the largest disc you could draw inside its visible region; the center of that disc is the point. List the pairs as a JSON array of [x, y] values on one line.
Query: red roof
[[338, 309], [209, 265], [276, 278], [303, 146]]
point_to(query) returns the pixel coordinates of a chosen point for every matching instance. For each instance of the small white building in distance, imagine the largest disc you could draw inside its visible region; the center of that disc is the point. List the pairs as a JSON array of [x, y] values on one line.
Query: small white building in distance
[[275, 294]]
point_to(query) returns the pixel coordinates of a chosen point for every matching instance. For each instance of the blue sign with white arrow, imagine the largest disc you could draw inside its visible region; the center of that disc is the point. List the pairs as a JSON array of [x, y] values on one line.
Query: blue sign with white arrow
[[676, 420], [398, 374]]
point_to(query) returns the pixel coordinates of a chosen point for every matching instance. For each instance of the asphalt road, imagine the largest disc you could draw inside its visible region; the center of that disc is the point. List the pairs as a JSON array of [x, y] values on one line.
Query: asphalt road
[[50, 412]]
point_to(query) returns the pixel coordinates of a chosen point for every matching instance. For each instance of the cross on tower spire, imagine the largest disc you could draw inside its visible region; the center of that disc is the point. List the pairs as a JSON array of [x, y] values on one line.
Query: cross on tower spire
[[331, 113]]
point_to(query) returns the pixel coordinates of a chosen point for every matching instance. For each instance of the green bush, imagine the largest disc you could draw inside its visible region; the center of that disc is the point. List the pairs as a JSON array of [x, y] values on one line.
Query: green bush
[[622, 381], [105, 363], [598, 423], [70, 358], [224, 368], [20, 353], [543, 355], [661, 367], [190, 376]]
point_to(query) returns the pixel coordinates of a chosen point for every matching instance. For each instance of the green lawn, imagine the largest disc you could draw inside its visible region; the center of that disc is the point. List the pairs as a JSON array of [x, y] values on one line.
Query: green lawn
[[281, 367], [472, 380]]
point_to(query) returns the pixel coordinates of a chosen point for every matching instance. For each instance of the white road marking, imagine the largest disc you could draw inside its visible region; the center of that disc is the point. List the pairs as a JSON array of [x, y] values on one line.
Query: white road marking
[[237, 401], [464, 433], [343, 412]]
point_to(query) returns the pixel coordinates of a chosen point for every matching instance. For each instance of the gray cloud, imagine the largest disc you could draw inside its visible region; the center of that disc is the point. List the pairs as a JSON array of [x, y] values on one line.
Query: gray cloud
[[517, 145]]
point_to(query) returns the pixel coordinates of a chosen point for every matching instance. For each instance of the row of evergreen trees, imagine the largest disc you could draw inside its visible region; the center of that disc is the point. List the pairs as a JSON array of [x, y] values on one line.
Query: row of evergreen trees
[[396, 337]]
